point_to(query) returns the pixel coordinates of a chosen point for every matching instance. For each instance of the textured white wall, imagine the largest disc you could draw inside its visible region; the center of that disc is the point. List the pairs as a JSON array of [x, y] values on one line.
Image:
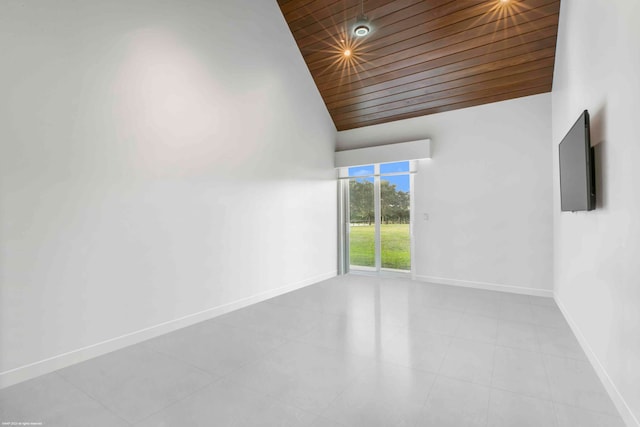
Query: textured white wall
[[597, 253], [487, 191], [157, 159]]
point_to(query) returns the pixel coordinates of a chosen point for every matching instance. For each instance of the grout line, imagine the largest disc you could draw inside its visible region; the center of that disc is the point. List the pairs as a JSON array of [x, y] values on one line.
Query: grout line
[[267, 397], [258, 359], [261, 331], [95, 399], [486, 423], [556, 417], [527, 395], [339, 395], [215, 377], [589, 410], [502, 389], [444, 357], [171, 404], [493, 367], [548, 379]]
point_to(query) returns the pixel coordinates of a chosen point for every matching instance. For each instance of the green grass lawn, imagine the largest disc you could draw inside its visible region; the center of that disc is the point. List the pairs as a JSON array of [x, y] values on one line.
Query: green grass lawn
[[395, 246]]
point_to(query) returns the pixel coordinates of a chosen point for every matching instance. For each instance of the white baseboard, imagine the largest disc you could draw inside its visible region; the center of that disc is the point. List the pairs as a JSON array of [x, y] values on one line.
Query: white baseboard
[[487, 286], [32, 370], [621, 405]]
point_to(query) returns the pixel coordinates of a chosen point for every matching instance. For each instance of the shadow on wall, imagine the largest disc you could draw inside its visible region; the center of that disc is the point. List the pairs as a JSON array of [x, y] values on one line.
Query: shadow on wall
[[598, 132]]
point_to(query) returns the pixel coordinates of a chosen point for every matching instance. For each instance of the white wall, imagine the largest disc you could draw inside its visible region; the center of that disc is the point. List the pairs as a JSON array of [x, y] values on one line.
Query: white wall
[[597, 253], [157, 160], [487, 191]]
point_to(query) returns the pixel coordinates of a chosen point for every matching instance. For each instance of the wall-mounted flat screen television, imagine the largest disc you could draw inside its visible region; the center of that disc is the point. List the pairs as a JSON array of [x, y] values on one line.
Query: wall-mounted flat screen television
[[577, 169]]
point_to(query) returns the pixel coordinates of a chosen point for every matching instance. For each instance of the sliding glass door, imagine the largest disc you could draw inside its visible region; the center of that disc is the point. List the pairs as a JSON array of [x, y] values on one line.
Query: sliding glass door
[[379, 215]]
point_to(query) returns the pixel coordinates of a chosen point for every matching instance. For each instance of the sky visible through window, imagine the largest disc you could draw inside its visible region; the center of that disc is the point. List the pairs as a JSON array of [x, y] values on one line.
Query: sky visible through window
[[394, 167], [361, 170], [400, 181]]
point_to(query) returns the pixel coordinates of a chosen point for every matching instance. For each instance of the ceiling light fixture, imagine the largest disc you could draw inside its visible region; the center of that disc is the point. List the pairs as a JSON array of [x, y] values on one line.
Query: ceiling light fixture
[[363, 26]]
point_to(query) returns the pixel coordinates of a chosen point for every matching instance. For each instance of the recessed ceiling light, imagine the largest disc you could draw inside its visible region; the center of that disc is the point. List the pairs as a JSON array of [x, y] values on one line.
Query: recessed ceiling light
[[347, 53], [363, 26]]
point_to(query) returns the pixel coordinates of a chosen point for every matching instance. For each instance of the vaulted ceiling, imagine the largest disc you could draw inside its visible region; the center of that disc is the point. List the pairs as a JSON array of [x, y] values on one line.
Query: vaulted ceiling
[[423, 56]]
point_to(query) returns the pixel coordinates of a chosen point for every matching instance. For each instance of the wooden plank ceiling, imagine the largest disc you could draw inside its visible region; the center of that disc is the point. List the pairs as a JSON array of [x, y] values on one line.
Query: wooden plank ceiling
[[423, 56]]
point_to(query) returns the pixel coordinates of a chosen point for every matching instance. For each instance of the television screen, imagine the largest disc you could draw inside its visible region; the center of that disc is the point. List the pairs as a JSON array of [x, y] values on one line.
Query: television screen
[[577, 172]]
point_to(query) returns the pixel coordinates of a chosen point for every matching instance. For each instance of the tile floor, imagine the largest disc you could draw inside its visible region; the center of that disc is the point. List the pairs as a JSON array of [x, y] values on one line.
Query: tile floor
[[350, 351]]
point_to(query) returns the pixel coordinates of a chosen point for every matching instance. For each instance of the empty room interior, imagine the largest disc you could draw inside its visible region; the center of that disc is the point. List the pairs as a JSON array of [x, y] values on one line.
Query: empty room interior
[[320, 213]]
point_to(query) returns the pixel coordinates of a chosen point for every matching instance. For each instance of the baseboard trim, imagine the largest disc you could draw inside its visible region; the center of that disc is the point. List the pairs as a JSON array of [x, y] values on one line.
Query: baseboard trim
[[621, 405], [32, 370], [487, 286]]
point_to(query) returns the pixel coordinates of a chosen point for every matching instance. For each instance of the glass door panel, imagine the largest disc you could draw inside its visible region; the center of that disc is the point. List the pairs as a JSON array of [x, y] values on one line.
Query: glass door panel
[[395, 220], [362, 230]]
